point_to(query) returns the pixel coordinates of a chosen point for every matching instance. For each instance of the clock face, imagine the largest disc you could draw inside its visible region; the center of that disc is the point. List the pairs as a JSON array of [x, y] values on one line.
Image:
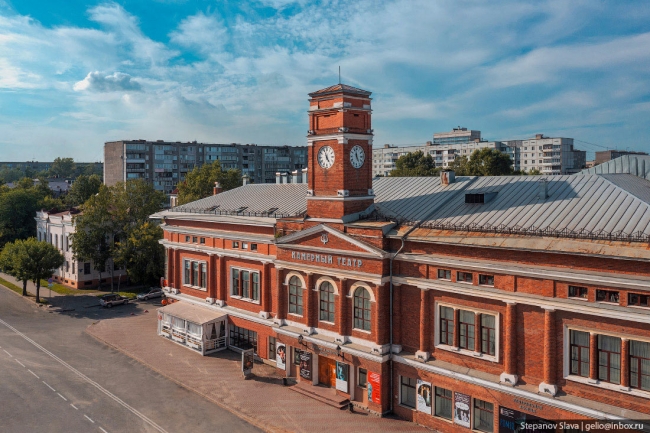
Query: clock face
[[326, 157], [357, 156]]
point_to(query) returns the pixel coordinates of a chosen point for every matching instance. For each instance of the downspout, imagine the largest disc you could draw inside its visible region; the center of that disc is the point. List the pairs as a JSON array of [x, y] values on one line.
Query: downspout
[[392, 257]]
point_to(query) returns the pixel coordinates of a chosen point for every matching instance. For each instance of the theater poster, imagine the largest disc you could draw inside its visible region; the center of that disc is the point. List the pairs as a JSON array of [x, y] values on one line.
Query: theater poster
[[374, 387], [461, 409], [281, 356], [424, 397], [342, 374], [305, 365]]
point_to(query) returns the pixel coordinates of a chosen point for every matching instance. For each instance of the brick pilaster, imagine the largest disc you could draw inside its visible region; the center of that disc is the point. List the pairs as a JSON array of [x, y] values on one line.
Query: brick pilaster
[[342, 310], [456, 328], [212, 276], [222, 280], [281, 295], [265, 288], [171, 267], [311, 298], [477, 332], [397, 323], [510, 350], [593, 356], [625, 363], [550, 346], [425, 320]]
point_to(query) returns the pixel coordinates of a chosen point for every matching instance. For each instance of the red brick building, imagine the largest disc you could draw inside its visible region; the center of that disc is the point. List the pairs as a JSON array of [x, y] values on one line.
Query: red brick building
[[454, 302]]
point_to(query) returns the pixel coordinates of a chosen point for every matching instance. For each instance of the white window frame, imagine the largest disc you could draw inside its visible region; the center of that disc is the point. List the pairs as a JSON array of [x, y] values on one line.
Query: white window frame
[[201, 263], [250, 272], [477, 332]]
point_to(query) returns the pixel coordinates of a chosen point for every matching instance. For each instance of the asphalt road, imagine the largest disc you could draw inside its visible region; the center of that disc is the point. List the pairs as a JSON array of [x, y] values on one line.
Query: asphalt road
[[55, 378]]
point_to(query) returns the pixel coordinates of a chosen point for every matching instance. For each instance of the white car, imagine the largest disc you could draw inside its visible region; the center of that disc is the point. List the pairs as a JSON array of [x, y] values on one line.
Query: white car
[[153, 292]]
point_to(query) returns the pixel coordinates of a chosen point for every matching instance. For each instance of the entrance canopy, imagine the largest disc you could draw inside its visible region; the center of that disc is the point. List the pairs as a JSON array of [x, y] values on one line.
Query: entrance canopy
[[191, 313]]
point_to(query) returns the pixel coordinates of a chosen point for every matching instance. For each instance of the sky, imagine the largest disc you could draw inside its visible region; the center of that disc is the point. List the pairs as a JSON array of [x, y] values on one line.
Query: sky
[[75, 74]]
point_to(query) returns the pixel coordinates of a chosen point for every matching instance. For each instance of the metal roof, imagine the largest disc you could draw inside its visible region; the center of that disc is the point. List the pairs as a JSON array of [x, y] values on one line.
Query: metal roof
[[340, 88], [191, 313], [637, 165]]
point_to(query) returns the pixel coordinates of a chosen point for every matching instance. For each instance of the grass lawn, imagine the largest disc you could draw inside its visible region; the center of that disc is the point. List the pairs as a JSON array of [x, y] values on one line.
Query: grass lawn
[[17, 289], [59, 288]]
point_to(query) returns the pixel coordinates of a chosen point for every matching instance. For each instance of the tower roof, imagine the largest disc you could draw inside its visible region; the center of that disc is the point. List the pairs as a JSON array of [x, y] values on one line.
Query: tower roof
[[340, 88]]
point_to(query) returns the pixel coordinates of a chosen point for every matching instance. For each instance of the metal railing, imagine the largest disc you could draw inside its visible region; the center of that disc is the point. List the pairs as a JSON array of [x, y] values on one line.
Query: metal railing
[[235, 213]]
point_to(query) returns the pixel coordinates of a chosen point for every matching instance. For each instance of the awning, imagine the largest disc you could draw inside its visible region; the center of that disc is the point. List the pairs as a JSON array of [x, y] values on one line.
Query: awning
[[191, 313]]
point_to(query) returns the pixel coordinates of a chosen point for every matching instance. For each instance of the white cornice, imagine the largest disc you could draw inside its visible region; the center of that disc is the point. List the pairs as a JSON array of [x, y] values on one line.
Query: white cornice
[[332, 272], [340, 136], [263, 258], [220, 234], [289, 239], [337, 198]]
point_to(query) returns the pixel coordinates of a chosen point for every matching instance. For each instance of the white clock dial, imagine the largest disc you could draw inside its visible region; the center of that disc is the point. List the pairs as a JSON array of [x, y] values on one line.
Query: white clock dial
[[326, 157], [357, 156]]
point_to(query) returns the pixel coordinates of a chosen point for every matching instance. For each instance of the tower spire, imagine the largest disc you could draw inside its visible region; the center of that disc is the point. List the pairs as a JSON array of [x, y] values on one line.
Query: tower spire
[[339, 74]]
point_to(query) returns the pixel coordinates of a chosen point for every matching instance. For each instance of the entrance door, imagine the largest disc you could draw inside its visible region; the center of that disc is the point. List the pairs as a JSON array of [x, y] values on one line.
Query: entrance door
[[326, 371]]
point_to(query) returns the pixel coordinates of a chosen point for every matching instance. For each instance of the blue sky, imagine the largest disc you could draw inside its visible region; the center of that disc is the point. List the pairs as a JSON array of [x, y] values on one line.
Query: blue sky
[[74, 74]]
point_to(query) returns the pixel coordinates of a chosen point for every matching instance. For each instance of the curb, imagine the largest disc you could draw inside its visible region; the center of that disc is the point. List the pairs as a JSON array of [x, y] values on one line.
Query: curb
[[253, 421]]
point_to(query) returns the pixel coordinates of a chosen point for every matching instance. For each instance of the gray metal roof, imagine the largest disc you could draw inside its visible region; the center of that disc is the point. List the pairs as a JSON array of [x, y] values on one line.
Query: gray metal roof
[[637, 165]]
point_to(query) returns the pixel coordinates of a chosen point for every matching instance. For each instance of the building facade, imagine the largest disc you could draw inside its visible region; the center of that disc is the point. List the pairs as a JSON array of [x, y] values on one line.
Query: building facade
[[608, 155], [165, 164], [456, 136], [455, 302], [56, 228]]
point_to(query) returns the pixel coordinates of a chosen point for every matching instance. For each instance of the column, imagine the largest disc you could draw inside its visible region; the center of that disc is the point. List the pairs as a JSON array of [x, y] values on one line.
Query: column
[[380, 323], [171, 267], [477, 333], [265, 291], [397, 322], [280, 298], [549, 385], [625, 364], [342, 310], [222, 281], [456, 328], [212, 276], [310, 302], [509, 376], [424, 353], [593, 357]]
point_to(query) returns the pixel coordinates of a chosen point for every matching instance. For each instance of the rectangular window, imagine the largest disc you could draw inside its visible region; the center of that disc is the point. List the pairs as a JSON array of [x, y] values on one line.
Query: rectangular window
[[466, 329], [488, 335], [447, 326], [271, 354], [235, 244], [486, 280], [242, 338], [255, 286], [638, 300], [464, 277], [407, 391], [577, 292], [579, 347], [609, 359], [187, 238], [607, 296], [253, 247], [296, 357], [245, 284], [234, 290], [363, 377], [444, 274], [195, 274], [194, 239], [202, 240], [244, 245], [443, 403], [640, 365], [87, 268], [483, 416], [204, 276]]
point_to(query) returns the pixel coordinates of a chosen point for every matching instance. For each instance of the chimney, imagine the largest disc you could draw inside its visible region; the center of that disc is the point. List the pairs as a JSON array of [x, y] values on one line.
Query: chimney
[[284, 178], [278, 180], [543, 189], [304, 175], [447, 177], [539, 136], [245, 179], [217, 188], [294, 175]]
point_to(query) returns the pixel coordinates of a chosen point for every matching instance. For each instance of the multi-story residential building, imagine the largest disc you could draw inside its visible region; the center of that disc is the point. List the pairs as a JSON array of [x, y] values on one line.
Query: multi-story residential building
[[56, 228], [608, 155], [551, 155], [456, 136], [165, 164], [455, 302]]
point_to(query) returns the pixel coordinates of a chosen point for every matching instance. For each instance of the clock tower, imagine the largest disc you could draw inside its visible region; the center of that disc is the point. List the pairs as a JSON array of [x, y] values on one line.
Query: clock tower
[[340, 153]]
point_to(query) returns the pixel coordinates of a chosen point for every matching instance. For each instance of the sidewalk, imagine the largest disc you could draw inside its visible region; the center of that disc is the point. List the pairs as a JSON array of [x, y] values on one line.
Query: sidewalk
[[31, 287], [262, 401]]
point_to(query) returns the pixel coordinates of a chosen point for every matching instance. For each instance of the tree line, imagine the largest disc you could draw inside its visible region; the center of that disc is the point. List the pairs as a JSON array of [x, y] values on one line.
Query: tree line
[[64, 168]]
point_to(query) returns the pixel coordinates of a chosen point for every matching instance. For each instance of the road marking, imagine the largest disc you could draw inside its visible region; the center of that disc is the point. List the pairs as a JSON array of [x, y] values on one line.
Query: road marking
[[64, 399], [74, 406], [49, 386], [33, 373], [19, 362], [8, 353], [88, 418], [86, 378], [103, 430]]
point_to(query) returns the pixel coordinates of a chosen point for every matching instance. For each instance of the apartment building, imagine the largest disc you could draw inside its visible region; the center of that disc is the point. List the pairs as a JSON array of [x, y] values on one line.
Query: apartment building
[[551, 155], [165, 164]]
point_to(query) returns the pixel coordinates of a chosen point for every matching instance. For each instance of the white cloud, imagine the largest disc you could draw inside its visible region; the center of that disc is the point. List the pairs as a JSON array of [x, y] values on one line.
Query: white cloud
[[202, 32], [96, 82]]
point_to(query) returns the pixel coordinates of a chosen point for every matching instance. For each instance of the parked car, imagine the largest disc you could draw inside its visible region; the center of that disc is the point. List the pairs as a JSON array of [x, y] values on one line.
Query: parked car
[[113, 299], [153, 292]]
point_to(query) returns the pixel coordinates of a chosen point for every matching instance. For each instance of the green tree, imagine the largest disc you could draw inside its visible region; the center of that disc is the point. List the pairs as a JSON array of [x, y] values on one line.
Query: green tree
[[142, 254], [414, 164], [18, 208], [199, 183], [63, 167], [44, 259], [82, 189], [483, 162], [14, 260], [533, 172]]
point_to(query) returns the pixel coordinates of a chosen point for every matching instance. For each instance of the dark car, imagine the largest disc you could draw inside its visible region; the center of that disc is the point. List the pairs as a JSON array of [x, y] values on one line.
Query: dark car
[[153, 292], [113, 299]]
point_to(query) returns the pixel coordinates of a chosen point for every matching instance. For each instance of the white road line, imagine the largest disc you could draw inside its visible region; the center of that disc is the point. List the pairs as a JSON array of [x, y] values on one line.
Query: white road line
[[8, 353], [49, 386], [87, 379], [103, 430], [88, 418], [74, 406], [33, 373], [64, 399], [19, 362]]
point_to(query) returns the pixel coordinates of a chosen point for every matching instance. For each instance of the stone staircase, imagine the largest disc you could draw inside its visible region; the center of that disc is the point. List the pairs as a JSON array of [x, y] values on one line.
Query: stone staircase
[[322, 394]]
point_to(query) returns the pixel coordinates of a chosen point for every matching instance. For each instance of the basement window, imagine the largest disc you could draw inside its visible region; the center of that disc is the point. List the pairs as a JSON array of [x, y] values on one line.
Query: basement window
[[607, 296]]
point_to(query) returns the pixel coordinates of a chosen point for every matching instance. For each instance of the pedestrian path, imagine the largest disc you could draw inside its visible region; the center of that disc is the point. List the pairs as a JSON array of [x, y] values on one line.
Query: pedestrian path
[[262, 401], [31, 287]]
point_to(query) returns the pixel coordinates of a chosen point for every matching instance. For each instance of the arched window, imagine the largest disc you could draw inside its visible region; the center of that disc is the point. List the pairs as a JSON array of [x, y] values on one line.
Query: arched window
[[362, 309], [295, 296], [326, 301]]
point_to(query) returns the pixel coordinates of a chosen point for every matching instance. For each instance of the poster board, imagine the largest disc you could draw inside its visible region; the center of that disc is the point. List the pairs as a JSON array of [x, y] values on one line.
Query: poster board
[[424, 397], [247, 361], [281, 356], [305, 365], [342, 377], [374, 387], [462, 409]]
